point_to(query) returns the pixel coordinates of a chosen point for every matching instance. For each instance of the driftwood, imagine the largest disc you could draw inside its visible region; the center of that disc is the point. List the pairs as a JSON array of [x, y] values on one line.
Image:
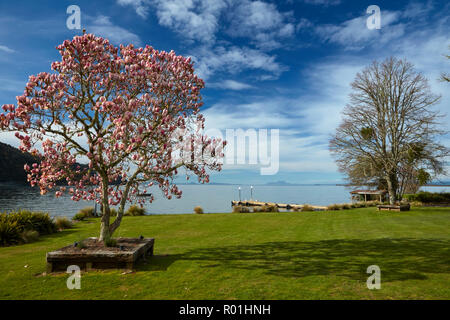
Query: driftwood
[[254, 203]]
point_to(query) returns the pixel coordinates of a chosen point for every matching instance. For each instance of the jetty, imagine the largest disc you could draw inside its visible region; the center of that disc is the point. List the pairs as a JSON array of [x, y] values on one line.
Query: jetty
[[255, 203]]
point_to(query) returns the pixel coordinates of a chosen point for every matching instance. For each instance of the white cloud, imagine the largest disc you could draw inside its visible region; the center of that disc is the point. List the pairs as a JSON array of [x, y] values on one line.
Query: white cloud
[[303, 24], [200, 20], [6, 49], [234, 60], [230, 85], [192, 19], [323, 2], [102, 26], [261, 22], [11, 85], [353, 34], [141, 6], [307, 120]]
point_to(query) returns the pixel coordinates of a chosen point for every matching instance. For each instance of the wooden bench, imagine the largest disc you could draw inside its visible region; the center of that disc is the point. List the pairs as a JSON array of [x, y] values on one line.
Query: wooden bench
[[388, 207]]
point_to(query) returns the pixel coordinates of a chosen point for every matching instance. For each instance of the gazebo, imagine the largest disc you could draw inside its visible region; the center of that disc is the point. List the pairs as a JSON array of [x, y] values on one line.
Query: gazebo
[[368, 195]]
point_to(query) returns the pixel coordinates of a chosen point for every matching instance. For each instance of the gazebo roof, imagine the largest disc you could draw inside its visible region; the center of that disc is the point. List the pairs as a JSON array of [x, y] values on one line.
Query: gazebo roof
[[378, 192]]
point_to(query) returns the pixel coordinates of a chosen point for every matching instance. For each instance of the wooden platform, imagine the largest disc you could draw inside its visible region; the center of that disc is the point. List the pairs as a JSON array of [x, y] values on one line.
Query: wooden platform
[[387, 207], [124, 256], [255, 203]]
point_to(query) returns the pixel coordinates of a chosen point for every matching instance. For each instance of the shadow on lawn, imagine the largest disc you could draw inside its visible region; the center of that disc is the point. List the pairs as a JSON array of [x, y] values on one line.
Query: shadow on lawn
[[399, 259]]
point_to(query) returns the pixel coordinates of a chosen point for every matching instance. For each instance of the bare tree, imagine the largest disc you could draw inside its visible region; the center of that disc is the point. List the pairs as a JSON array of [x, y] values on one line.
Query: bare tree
[[389, 128]]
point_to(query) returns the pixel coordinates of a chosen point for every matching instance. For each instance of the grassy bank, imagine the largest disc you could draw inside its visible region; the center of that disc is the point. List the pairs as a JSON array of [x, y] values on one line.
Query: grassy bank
[[309, 255]]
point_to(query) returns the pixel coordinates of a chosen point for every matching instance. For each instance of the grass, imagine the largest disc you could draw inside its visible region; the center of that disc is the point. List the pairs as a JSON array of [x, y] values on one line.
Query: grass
[[309, 255]]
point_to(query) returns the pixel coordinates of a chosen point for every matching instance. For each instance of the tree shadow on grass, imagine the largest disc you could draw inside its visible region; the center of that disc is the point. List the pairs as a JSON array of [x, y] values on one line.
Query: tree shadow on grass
[[399, 259]]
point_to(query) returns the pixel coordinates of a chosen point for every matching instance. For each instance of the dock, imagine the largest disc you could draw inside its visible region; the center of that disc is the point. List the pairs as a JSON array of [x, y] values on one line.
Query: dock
[[255, 203]]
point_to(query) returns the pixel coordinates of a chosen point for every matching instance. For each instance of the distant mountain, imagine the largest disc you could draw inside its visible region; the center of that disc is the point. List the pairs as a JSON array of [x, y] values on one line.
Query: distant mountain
[[12, 161], [438, 183], [278, 183]]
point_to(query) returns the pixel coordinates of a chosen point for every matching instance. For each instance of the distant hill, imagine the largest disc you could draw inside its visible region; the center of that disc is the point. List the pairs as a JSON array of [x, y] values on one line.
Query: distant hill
[[279, 183], [12, 161]]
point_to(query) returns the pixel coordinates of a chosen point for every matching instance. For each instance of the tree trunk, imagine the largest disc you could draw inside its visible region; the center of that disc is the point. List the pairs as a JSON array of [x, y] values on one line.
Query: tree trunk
[[105, 233], [392, 188], [104, 228]]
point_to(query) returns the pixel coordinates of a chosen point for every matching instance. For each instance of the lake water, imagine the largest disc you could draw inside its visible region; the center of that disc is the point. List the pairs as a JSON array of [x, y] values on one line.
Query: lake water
[[212, 198]]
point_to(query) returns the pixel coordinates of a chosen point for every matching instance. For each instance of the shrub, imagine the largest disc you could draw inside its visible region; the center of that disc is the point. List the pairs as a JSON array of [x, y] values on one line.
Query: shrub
[[80, 216], [112, 212], [198, 210], [334, 207], [258, 209], [241, 209], [307, 208], [363, 204], [81, 244], [88, 212], [43, 223], [84, 213], [63, 223], [38, 221], [135, 211], [28, 236], [14, 226], [9, 231], [429, 197], [345, 206], [111, 242]]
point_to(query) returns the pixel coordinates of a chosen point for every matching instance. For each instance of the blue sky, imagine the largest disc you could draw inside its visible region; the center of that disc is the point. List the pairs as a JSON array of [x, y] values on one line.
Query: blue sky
[[285, 65]]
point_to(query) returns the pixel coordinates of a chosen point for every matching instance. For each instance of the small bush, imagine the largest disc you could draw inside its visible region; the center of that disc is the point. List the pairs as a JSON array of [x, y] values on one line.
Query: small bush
[[429, 197], [241, 209], [79, 216], [14, 224], [111, 242], [135, 211], [87, 212], [334, 207], [10, 231], [28, 236], [346, 206], [63, 223], [307, 208], [84, 213], [363, 205], [80, 244], [112, 212], [38, 221], [258, 209], [198, 210]]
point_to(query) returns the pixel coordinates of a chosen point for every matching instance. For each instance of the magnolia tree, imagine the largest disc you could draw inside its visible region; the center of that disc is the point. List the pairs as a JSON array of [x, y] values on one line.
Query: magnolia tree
[[131, 113]]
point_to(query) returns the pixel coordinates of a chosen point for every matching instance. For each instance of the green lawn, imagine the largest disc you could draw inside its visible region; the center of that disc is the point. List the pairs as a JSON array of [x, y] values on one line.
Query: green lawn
[[310, 255]]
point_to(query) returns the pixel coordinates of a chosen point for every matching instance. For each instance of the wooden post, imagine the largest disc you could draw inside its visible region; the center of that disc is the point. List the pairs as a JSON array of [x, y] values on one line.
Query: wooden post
[[49, 267]]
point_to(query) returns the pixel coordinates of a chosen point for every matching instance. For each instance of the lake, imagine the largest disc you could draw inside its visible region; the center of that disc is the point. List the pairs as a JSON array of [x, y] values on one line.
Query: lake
[[212, 198]]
